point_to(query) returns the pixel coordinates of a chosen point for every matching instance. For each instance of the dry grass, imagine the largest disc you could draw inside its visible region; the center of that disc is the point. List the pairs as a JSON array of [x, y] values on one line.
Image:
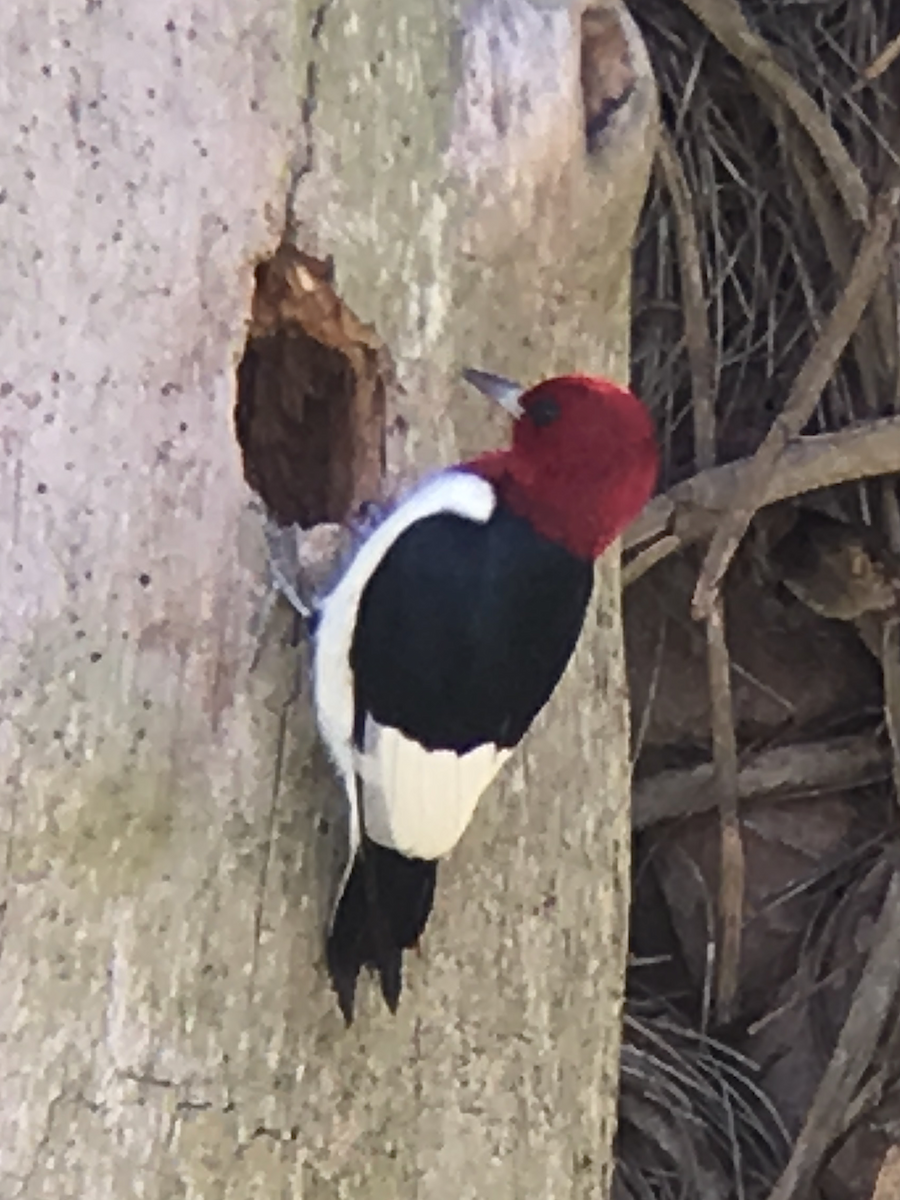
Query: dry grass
[[693, 1120], [778, 121], [775, 241]]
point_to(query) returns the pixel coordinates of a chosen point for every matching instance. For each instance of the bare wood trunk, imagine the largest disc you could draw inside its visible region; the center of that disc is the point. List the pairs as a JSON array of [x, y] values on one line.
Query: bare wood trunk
[[166, 1026]]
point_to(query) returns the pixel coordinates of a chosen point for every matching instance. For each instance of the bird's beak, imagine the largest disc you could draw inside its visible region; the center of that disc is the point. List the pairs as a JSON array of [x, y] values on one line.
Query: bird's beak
[[504, 391]]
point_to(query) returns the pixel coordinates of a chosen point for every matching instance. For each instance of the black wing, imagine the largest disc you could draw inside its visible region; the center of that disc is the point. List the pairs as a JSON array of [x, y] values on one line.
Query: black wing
[[465, 629]]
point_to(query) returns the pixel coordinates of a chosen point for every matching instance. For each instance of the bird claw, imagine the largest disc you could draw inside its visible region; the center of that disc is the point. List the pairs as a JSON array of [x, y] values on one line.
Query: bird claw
[[283, 568], [284, 565]]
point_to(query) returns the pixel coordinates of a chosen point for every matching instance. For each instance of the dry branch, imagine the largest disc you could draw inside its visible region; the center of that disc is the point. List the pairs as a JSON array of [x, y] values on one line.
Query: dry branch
[[731, 859], [875, 994], [890, 668], [814, 375], [887, 1186], [804, 768], [875, 339], [641, 563], [690, 510]]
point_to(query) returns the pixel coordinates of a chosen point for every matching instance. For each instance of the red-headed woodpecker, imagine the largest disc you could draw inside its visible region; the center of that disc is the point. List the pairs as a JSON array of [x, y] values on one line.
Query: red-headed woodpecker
[[446, 636]]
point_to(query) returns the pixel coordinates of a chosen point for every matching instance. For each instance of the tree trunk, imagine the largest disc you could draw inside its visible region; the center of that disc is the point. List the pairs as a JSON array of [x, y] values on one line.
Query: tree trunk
[[167, 1027]]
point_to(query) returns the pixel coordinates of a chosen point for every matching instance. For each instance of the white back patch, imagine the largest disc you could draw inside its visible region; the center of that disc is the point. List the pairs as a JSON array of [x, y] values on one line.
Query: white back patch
[[420, 801], [452, 491]]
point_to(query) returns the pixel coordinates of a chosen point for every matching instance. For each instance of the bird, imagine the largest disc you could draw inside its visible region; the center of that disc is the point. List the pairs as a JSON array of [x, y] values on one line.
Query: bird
[[447, 633]]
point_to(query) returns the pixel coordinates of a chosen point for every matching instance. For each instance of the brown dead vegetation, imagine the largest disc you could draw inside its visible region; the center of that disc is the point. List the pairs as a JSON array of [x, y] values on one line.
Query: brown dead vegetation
[[762, 1052]]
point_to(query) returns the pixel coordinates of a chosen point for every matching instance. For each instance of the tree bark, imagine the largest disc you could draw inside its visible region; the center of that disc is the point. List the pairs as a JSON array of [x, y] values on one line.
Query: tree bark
[[166, 1027]]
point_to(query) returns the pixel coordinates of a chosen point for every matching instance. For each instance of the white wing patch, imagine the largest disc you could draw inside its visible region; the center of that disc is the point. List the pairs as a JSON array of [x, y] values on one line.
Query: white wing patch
[[457, 492], [420, 801]]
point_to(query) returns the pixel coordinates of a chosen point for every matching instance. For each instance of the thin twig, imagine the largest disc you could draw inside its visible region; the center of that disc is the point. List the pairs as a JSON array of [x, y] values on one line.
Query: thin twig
[[875, 993], [814, 374], [890, 671], [731, 862], [726, 22], [878, 1083], [882, 61], [702, 357], [890, 513], [643, 561], [873, 345], [696, 329]]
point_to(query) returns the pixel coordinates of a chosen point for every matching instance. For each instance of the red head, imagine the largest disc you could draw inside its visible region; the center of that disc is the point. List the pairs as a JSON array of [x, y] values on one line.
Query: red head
[[583, 461]]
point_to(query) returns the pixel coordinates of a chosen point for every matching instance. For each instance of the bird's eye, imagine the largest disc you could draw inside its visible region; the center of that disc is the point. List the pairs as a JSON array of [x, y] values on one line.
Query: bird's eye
[[544, 411]]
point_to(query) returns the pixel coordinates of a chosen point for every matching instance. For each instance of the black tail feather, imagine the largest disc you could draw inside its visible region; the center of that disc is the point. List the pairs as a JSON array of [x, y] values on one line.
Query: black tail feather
[[381, 912]]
